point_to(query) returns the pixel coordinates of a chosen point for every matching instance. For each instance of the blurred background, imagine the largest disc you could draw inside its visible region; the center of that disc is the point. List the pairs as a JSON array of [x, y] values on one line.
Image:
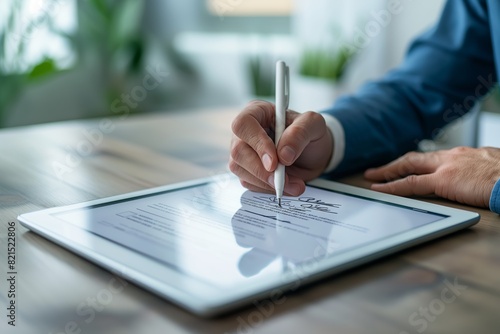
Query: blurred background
[[69, 59]]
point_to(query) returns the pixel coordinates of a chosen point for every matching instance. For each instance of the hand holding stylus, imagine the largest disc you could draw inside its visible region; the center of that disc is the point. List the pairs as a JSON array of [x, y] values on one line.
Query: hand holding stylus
[[304, 148]]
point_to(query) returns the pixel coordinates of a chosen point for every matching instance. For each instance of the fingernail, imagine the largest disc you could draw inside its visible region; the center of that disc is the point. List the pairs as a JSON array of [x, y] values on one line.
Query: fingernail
[[287, 154], [267, 162]]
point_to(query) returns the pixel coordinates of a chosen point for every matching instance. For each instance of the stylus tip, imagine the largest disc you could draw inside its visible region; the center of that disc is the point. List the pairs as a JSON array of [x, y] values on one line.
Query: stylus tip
[[279, 202]]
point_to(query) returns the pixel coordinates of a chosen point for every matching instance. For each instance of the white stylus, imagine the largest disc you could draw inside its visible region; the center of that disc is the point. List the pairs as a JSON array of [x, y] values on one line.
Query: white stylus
[[282, 99]]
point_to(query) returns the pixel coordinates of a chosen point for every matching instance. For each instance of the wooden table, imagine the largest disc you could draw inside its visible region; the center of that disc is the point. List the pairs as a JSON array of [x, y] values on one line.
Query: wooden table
[[451, 285]]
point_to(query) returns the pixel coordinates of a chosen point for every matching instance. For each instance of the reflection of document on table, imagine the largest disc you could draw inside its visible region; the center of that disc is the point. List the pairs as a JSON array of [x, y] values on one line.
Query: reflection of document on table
[[314, 225], [224, 235]]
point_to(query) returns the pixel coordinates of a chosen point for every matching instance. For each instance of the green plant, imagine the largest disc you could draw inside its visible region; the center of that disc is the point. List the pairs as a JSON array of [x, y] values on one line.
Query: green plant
[[15, 75], [324, 63], [261, 75], [496, 94], [108, 35]]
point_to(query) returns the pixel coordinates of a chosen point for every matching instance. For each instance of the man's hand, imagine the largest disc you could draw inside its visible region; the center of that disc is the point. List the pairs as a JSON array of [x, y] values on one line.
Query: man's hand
[[462, 174], [305, 148]]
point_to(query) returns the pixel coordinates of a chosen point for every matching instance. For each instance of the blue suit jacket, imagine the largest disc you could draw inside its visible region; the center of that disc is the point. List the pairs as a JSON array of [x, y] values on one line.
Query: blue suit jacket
[[445, 72]]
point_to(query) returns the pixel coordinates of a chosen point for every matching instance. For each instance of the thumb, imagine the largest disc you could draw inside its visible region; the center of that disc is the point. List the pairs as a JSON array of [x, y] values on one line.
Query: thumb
[[303, 130]]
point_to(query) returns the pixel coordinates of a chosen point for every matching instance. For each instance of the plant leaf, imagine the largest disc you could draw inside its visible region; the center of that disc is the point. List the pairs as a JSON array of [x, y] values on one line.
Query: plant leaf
[[45, 67]]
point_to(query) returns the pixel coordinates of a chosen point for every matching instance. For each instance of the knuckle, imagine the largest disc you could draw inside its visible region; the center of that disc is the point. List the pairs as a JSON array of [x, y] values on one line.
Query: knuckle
[[412, 180], [260, 147], [460, 150], [233, 166], [253, 102], [260, 173], [245, 184], [405, 169], [258, 102], [486, 152], [238, 124], [312, 116], [412, 155], [389, 176], [413, 158], [237, 149]]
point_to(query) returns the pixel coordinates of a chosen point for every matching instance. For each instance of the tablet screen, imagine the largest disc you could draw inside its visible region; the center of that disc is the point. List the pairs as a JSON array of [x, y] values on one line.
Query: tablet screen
[[222, 234]]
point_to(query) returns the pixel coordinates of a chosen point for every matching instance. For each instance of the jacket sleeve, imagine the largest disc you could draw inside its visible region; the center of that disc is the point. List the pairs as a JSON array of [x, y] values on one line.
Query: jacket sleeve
[[444, 73], [495, 198]]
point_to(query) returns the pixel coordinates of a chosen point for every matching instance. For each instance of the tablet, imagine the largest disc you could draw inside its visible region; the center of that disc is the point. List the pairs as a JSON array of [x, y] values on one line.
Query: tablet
[[212, 246]]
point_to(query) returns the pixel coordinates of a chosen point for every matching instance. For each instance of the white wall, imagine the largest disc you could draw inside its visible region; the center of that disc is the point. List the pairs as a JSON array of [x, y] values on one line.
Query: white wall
[[220, 59], [380, 29], [417, 16]]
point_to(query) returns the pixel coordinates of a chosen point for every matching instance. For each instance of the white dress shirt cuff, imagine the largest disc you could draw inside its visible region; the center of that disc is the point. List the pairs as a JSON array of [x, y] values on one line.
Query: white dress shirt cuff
[[338, 141]]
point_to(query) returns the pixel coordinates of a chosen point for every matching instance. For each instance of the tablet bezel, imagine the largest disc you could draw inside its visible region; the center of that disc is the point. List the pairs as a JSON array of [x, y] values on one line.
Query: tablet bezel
[[207, 300]]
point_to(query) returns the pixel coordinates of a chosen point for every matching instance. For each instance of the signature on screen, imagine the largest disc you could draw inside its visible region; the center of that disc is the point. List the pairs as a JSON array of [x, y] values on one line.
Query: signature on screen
[[304, 203]]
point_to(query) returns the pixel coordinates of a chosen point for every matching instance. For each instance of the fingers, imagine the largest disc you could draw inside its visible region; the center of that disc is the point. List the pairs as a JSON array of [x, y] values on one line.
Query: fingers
[[293, 186], [411, 185], [251, 127], [246, 164], [249, 181], [411, 174], [408, 164], [253, 153], [461, 174], [254, 156], [305, 129]]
